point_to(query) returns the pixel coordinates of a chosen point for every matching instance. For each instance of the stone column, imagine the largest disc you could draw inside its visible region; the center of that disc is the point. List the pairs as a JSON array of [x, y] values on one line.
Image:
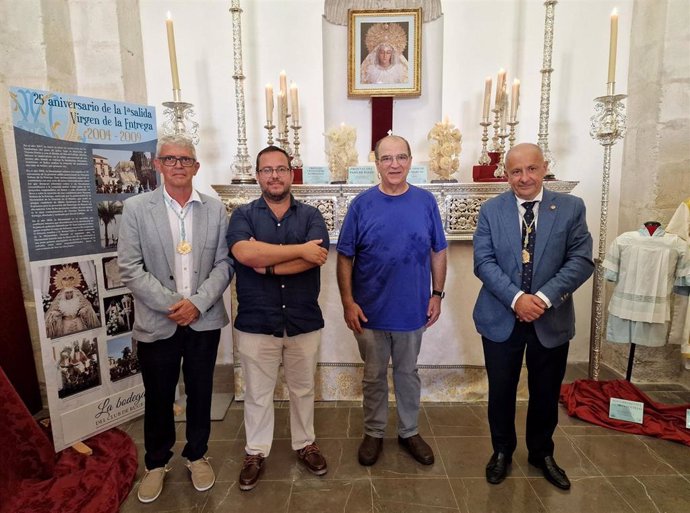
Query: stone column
[[656, 156]]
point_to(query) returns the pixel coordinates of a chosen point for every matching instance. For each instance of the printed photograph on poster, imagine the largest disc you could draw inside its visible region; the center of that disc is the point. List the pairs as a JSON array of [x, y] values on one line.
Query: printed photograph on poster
[[109, 214], [70, 298], [111, 273], [123, 172], [77, 365], [122, 358], [119, 314]]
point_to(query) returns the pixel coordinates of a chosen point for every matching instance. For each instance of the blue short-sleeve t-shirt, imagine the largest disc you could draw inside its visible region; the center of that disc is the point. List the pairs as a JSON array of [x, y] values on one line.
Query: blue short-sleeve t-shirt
[[390, 239]]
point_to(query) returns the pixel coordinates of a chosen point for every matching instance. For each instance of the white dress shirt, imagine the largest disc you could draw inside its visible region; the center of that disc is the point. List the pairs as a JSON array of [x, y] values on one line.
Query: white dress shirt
[[184, 264]]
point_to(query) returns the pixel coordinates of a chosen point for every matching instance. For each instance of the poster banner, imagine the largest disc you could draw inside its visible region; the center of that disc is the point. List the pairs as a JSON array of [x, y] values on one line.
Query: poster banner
[[79, 158]]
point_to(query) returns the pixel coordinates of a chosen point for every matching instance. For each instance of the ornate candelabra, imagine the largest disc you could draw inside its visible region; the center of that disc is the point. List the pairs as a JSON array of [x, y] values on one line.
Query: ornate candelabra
[[608, 126], [178, 118], [242, 165], [497, 122], [546, 71], [484, 158], [296, 158]]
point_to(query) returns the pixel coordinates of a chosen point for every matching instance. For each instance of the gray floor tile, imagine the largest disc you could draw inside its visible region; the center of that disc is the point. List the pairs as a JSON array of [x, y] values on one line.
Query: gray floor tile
[[567, 455], [622, 455], [413, 495], [675, 454], [458, 420], [351, 496], [475, 495], [467, 456], [268, 496], [652, 494], [587, 495]]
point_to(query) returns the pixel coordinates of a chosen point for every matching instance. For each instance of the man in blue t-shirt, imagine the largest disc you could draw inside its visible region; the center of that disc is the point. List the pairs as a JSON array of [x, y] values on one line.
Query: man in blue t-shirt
[[391, 249]]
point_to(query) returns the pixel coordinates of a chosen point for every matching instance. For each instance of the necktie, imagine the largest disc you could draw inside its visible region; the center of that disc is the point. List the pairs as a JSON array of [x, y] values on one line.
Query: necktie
[[529, 235]]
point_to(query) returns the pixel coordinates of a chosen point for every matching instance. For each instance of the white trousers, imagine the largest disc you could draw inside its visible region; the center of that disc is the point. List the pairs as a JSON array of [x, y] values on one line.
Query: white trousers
[[260, 357]]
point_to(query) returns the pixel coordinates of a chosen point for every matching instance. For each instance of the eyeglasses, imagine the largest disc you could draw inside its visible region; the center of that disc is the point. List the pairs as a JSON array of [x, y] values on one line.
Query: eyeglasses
[[268, 171], [387, 160], [171, 161]]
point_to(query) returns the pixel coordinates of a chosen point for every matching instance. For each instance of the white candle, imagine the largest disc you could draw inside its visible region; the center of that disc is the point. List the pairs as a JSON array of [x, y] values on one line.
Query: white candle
[[499, 87], [283, 83], [613, 46], [282, 110], [269, 103], [294, 103], [487, 99], [172, 52], [514, 99]]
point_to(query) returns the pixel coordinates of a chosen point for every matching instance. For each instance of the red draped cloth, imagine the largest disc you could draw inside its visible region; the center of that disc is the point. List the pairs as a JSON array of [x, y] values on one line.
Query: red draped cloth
[[589, 400], [33, 479]]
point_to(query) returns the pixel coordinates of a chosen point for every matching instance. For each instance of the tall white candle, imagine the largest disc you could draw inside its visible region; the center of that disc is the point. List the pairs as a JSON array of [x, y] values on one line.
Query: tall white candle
[[269, 103], [172, 53], [500, 83], [294, 103], [514, 99], [487, 99], [283, 84], [613, 46]]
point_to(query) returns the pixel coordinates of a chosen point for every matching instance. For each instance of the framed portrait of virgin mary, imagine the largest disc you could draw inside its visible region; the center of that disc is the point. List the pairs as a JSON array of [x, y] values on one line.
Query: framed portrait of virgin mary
[[384, 53]]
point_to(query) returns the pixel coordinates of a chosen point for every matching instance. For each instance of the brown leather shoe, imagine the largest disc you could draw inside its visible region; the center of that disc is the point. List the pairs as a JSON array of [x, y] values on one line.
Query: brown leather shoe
[[252, 468], [312, 458], [418, 448], [369, 450]]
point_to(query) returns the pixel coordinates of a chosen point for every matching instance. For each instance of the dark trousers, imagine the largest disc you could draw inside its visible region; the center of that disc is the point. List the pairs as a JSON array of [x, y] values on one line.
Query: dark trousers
[[160, 370], [545, 371]]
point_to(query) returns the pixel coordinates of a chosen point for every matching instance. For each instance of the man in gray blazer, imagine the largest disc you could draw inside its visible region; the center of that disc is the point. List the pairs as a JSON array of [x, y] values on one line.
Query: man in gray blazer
[[173, 257], [532, 250]]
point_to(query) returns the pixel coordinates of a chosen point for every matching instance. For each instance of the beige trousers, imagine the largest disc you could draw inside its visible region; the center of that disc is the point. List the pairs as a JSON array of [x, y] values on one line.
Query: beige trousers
[[260, 357]]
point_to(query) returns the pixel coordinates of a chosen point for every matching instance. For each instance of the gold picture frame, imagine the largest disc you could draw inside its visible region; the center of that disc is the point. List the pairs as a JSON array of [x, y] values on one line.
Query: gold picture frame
[[384, 53]]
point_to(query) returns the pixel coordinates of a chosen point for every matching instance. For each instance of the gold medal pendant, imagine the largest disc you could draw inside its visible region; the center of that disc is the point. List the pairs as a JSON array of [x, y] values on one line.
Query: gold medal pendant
[[525, 256], [184, 247]]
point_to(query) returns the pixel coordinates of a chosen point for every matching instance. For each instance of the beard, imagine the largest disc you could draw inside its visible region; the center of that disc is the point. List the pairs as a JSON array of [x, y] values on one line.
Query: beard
[[276, 197]]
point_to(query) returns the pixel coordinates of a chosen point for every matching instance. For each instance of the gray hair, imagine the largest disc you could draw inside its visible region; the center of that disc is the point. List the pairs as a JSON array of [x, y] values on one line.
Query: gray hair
[[180, 140], [393, 137]]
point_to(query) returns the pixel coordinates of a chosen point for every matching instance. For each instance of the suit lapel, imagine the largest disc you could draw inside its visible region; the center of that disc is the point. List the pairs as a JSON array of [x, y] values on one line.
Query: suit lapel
[[547, 216], [162, 224], [510, 219], [199, 229]]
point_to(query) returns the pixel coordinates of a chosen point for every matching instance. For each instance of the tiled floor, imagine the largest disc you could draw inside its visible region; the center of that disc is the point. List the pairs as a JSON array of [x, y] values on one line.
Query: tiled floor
[[611, 472]]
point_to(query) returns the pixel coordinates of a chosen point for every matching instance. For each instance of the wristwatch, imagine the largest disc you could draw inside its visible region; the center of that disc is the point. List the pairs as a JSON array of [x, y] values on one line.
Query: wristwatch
[[438, 293]]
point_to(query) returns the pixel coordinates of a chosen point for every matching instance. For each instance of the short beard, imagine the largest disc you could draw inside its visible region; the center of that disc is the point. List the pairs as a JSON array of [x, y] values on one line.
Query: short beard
[[276, 198]]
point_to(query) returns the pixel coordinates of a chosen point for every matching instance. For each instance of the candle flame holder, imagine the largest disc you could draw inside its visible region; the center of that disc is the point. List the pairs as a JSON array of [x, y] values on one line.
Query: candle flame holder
[[484, 158], [501, 168], [269, 126], [511, 136], [178, 119], [296, 157], [607, 128]]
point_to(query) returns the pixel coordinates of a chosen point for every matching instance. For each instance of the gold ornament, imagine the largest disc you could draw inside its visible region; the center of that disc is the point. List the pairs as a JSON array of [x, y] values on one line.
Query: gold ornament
[[184, 247], [389, 33], [67, 277]]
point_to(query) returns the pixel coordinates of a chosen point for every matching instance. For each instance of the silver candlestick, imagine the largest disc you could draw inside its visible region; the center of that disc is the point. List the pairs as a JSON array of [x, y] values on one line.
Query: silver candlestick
[[545, 100], [484, 158], [242, 166], [269, 126], [497, 123], [178, 119], [608, 126], [501, 168], [296, 158], [511, 137]]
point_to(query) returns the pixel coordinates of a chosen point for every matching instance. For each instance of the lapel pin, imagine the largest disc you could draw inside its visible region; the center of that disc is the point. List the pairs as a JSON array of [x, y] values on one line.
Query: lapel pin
[[552, 207]]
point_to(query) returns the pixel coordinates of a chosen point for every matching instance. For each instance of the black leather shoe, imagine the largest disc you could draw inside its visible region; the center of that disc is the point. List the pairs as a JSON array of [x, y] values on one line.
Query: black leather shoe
[[369, 450], [497, 468], [252, 468], [552, 472], [418, 448], [313, 459]]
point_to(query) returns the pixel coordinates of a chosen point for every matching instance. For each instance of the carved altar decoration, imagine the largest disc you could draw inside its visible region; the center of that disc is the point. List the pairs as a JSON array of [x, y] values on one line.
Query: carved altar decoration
[[458, 203], [444, 156], [341, 152]]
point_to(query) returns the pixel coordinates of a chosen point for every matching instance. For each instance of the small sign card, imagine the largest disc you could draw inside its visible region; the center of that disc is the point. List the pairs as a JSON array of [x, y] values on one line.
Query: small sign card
[[687, 419], [622, 409], [417, 174], [361, 175], [316, 175]]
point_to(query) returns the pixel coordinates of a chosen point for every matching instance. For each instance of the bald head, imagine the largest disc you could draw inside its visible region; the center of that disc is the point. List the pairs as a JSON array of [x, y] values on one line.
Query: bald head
[[392, 138], [525, 169]]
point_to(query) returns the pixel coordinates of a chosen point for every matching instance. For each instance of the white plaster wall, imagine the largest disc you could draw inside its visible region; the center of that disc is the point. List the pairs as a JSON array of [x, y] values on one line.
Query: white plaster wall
[[479, 37]]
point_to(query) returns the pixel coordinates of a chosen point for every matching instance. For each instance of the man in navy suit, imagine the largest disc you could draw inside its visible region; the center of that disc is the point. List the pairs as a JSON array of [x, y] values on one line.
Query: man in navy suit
[[532, 250]]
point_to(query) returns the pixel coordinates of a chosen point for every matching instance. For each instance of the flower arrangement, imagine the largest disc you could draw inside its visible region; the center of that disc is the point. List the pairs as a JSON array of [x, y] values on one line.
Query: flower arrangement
[[340, 150], [444, 158]]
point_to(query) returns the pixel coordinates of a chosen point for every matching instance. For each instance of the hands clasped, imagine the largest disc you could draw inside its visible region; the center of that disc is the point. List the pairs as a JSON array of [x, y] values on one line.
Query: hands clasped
[[183, 312], [529, 308]]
